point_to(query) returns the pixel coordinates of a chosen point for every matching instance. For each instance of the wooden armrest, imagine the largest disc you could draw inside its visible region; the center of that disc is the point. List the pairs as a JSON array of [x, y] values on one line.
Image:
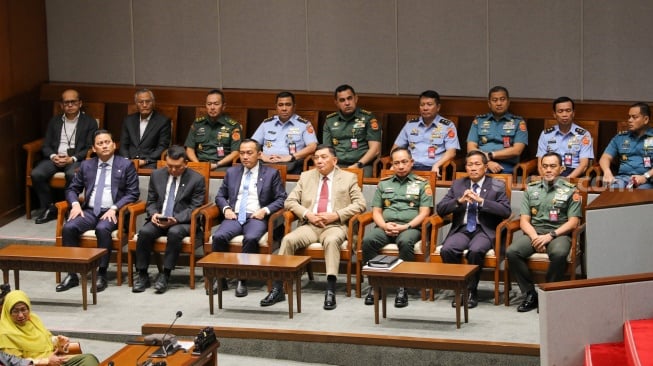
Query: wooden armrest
[[363, 220], [33, 146], [526, 168], [212, 215], [62, 209], [33, 149], [575, 238], [437, 222], [288, 218], [272, 224], [135, 209], [121, 219], [498, 240]]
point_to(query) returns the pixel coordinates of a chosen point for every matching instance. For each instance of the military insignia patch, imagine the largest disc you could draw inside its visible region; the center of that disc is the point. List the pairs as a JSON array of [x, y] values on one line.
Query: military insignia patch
[[484, 140], [235, 135], [533, 211], [334, 141], [576, 196], [522, 126], [374, 124], [586, 140], [451, 133], [427, 190], [309, 128], [387, 203]]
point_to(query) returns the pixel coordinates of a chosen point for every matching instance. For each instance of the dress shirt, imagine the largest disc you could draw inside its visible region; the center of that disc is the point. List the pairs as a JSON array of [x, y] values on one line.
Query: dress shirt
[[107, 198]]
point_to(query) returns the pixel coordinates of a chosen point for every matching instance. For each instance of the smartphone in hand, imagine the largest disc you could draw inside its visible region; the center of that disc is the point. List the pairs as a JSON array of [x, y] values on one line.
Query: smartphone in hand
[[163, 219]]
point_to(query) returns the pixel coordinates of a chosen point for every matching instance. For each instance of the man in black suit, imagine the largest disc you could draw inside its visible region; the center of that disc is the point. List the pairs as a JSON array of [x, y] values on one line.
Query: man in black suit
[[146, 133], [109, 182], [174, 192], [249, 194], [478, 203], [67, 140]]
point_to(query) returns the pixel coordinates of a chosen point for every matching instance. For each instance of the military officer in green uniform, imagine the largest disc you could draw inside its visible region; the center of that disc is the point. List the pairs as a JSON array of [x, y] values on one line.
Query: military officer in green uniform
[[215, 137], [550, 211], [501, 135], [401, 202], [354, 133]]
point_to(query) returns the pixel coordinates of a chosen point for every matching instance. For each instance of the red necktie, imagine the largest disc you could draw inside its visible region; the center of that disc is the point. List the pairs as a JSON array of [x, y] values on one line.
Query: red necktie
[[324, 196]]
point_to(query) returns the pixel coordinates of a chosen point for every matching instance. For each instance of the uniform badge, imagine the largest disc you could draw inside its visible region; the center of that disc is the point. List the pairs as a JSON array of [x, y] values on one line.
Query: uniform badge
[[533, 211], [411, 145], [576, 196], [334, 141], [199, 147], [411, 204], [451, 133], [586, 140], [387, 203], [427, 190], [235, 135], [484, 140], [624, 157], [336, 123], [522, 126], [309, 128], [268, 144], [374, 124]]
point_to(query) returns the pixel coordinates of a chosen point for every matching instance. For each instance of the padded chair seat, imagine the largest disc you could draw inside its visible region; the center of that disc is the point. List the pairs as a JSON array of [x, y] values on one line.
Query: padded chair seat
[[238, 240], [490, 253], [164, 239], [543, 257], [417, 248], [318, 246], [59, 175], [90, 234]]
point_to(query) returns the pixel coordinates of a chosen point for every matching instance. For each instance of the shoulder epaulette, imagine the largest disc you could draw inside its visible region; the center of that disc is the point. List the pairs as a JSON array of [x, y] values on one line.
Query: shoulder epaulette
[[567, 183], [302, 119], [232, 121], [445, 121], [581, 131], [485, 115], [419, 177], [366, 112], [534, 183], [268, 119], [414, 120], [549, 130], [199, 119], [331, 115], [519, 118], [386, 177], [623, 132]]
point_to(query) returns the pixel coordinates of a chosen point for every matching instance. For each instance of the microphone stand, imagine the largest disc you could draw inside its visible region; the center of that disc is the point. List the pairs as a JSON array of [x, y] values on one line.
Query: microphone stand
[[163, 350]]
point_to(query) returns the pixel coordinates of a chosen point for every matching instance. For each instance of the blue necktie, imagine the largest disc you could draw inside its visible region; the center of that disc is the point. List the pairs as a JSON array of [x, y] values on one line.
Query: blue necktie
[[472, 209], [170, 204], [99, 190], [242, 210]]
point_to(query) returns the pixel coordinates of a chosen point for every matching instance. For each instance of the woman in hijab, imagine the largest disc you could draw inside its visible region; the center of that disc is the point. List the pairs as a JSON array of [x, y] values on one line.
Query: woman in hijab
[[23, 334]]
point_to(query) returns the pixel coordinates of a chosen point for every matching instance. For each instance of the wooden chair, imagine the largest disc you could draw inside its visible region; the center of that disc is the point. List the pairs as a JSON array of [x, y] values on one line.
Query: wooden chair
[[539, 262], [316, 250], [34, 155], [492, 261], [213, 214], [189, 243], [448, 170], [88, 238], [524, 169], [420, 248], [237, 113], [168, 110]]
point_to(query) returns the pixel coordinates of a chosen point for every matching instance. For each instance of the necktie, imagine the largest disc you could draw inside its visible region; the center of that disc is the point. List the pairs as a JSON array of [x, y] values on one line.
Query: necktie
[[99, 190], [472, 209], [242, 210], [170, 204], [324, 196]]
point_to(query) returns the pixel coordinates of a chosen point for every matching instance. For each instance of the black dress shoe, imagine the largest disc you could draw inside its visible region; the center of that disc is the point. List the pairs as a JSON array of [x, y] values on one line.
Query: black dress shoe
[[401, 301], [69, 282], [472, 300], [142, 282], [101, 283], [49, 214], [529, 303], [161, 284], [275, 296], [453, 302], [369, 299], [241, 289], [329, 300], [214, 287]]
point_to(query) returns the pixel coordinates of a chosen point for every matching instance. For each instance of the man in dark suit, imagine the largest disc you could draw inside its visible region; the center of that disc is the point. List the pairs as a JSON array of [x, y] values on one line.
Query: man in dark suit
[[249, 194], [174, 192], [67, 140], [478, 203], [145, 134], [109, 182]]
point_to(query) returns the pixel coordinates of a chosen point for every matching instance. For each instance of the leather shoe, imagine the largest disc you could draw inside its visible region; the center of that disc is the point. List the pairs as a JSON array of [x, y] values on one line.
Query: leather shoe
[[142, 282], [161, 284], [49, 214], [329, 300], [69, 282], [214, 288], [529, 303], [472, 300], [369, 299], [401, 301], [101, 283], [241, 289], [275, 296]]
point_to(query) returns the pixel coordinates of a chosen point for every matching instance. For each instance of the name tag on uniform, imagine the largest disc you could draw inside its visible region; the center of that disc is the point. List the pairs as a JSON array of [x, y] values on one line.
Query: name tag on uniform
[[220, 151], [553, 215], [431, 152], [354, 143], [647, 162], [567, 159], [506, 141]]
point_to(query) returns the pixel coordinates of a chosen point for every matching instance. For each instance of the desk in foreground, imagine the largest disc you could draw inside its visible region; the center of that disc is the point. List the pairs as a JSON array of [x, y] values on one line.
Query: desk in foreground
[[286, 268], [137, 354], [422, 275], [52, 259]]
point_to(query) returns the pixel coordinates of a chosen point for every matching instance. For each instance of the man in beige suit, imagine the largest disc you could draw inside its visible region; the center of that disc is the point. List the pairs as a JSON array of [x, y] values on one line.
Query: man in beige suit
[[324, 199]]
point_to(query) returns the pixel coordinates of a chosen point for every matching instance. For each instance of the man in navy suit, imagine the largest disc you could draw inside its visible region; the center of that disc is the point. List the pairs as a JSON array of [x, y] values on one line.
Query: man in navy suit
[[174, 192], [249, 194], [146, 133], [67, 140], [478, 203], [109, 182]]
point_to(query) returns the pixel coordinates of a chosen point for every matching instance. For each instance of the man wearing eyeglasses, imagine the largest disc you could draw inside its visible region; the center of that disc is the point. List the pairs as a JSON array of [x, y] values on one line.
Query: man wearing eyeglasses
[[146, 133], [67, 139], [478, 204], [401, 202]]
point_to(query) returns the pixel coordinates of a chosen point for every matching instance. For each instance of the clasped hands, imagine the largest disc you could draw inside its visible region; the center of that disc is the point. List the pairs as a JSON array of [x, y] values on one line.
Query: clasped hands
[[539, 242], [470, 197], [322, 219], [274, 158], [394, 229], [259, 214], [62, 160], [163, 224]]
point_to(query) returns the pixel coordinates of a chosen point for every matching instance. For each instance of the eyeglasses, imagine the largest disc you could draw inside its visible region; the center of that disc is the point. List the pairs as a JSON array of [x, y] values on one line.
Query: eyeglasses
[[146, 101], [16, 311], [70, 102]]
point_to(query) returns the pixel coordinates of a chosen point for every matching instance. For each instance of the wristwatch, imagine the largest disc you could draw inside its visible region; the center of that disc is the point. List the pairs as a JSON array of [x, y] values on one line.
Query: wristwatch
[[647, 176], [292, 157], [553, 234], [359, 164], [490, 155]]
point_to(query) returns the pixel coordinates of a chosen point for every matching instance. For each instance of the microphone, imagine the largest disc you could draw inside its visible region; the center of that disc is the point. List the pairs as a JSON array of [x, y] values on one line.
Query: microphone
[[164, 348]]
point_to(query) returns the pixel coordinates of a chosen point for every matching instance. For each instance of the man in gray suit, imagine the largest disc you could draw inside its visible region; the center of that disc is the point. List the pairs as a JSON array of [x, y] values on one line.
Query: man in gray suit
[[146, 133], [478, 203], [324, 199], [174, 192]]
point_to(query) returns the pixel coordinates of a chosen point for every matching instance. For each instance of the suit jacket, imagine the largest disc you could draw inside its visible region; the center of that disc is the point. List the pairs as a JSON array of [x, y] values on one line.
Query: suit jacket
[[347, 198], [496, 206], [86, 127], [156, 137], [271, 192], [190, 194], [124, 182]]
